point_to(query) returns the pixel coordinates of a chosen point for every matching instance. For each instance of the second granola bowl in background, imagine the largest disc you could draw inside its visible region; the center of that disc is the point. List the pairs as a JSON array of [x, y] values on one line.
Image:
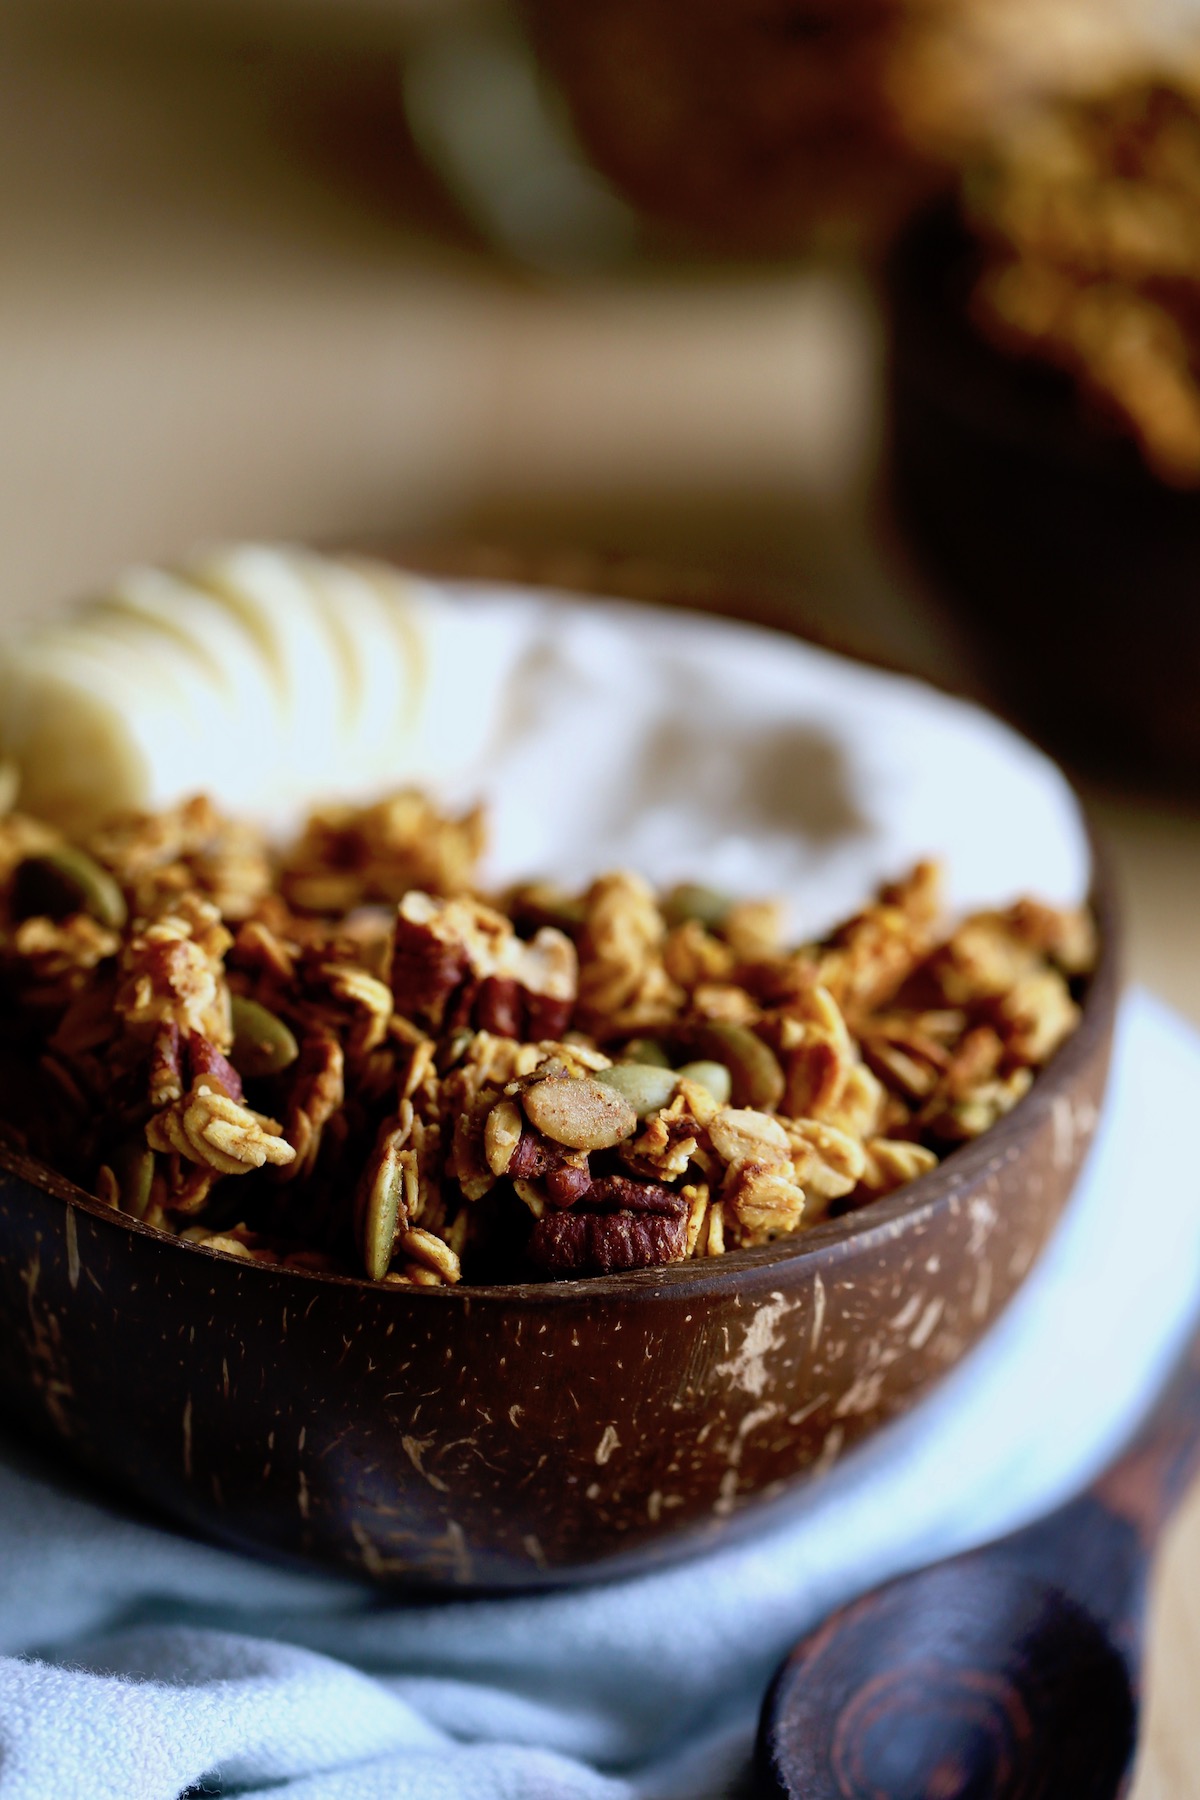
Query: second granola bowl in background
[[485, 1437]]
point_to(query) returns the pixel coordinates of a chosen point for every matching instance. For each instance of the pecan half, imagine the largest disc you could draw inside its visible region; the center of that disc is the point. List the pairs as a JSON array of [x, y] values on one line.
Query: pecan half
[[588, 1243], [565, 1173], [425, 970]]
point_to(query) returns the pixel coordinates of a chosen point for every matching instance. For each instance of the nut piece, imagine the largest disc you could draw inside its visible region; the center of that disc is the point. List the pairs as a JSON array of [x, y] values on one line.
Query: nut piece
[[621, 1193], [581, 1113], [574, 1243], [132, 1166], [205, 1059], [262, 1043]]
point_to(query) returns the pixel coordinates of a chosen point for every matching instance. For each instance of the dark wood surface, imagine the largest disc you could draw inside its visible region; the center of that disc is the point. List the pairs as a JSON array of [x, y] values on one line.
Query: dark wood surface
[[1012, 1671]]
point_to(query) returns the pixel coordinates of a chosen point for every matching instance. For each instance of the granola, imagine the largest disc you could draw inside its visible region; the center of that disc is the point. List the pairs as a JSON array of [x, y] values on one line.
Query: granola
[[343, 1057]]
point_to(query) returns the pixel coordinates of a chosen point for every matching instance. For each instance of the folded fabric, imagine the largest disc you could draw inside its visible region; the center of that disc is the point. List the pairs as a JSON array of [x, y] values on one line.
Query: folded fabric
[[140, 1664]]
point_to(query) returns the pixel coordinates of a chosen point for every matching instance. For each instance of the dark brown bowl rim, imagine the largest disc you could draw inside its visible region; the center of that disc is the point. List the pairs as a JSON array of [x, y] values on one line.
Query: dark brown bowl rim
[[920, 1199]]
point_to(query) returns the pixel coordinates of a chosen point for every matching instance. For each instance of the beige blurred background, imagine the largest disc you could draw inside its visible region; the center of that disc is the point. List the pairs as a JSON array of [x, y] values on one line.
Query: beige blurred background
[[234, 301]]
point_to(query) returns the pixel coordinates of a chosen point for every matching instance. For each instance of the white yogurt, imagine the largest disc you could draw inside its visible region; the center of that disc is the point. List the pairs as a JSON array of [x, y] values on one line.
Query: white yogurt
[[695, 748], [599, 733]]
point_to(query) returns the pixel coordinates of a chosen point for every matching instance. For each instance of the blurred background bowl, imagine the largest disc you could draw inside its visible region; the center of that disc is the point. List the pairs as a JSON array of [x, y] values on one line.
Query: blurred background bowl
[[1075, 567]]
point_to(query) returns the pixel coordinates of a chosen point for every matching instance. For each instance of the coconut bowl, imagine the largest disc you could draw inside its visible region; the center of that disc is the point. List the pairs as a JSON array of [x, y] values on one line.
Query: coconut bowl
[[519, 1436]]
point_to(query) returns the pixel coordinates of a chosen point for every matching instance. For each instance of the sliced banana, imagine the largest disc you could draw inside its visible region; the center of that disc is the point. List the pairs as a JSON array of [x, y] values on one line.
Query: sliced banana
[[467, 653], [89, 737], [153, 667], [246, 692], [277, 607], [386, 663], [268, 676]]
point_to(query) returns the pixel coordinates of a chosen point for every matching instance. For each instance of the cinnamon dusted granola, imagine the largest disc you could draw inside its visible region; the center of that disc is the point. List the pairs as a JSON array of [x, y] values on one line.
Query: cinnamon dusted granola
[[342, 1057]]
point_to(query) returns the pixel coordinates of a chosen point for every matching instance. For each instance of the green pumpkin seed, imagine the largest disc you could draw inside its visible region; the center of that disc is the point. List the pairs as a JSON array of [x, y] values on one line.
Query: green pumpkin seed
[[133, 1165], [539, 903], [453, 1049], [646, 1087], [64, 881], [382, 1217], [691, 901], [579, 1112], [711, 1075], [646, 1050], [755, 1075], [262, 1043]]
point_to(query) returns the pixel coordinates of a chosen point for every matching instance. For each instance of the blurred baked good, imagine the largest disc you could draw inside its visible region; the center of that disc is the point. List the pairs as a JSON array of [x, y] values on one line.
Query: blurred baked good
[[755, 122], [1045, 406]]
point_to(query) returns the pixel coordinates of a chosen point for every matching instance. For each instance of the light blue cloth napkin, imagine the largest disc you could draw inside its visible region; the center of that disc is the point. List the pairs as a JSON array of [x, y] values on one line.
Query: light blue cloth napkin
[[138, 1664]]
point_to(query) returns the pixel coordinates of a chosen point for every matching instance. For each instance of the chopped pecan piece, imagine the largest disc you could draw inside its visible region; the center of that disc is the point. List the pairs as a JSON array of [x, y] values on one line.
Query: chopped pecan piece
[[457, 962], [498, 1006], [622, 1193], [565, 1173], [566, 1184], [575, 1243], [425, 969], [205, 1059]]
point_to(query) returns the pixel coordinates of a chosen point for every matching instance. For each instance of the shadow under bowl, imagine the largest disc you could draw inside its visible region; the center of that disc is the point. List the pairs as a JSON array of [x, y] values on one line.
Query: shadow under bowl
[[520, 1436]]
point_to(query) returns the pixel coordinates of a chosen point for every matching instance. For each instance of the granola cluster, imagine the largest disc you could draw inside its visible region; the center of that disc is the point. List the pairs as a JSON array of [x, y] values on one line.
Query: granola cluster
[[342, 1057], [1089, 217]]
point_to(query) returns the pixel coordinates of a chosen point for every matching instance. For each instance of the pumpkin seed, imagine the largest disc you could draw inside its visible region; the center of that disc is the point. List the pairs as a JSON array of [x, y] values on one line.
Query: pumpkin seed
[[580, 1113], [540, 903], [756, 1078], [691, 901], [453, 1049], [133, 1165], [66, 880], [382, 1216], [645, 1086], [262, 1043], [711, 1075], [646, 1050]]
